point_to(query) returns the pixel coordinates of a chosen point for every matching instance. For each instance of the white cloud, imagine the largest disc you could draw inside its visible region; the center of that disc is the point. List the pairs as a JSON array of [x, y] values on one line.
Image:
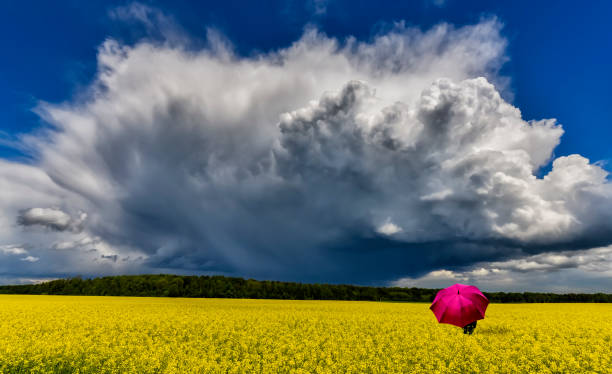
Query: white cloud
[[52, 218], [23, 280], [389, 228], [201, 160], [566, 271], [460, 140], [156, 24], [434, 279], [12, 250], [84, 243], [30, 259]]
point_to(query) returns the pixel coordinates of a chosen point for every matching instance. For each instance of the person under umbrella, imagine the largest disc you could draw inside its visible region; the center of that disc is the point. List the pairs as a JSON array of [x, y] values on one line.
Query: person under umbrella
[[469, 328], [460, 305]]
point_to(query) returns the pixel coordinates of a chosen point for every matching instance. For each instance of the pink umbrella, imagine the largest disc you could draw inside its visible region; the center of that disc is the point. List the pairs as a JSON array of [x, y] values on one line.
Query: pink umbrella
[[459, 305]]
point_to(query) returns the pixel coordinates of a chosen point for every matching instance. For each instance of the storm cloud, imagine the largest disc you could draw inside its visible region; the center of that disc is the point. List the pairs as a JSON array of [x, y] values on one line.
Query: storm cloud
[[342, 161]]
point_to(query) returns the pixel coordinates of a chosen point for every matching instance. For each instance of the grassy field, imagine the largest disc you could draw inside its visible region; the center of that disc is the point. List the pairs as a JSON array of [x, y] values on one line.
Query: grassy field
[[47, 334]]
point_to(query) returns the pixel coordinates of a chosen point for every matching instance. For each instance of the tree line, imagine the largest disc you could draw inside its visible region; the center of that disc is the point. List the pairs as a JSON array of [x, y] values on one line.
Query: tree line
[[164, 285]]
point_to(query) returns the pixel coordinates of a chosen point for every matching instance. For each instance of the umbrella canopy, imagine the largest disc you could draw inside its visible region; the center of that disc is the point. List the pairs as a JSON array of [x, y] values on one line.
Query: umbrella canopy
[[459, 305]]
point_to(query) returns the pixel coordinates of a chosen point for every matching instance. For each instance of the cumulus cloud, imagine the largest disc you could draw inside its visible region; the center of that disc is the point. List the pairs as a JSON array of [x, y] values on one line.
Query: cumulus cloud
[[328, 160], [566, 271], [464, 154], [12, 250], [30, 259], [52, 218], [388, 228]]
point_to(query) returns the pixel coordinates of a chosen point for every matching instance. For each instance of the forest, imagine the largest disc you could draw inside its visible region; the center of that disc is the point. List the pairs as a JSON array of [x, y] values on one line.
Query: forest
[[164, 285]]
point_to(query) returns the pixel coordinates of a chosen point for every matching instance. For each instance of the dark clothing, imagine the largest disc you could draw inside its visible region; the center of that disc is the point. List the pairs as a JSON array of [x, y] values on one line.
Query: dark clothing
[[469, 328]]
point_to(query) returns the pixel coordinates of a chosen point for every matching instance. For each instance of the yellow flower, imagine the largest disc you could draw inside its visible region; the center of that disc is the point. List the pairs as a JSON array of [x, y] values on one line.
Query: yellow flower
[[51, 334]]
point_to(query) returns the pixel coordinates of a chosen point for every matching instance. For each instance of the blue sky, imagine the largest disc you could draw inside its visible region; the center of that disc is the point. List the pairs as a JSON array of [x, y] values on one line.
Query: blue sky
[[329, 141]]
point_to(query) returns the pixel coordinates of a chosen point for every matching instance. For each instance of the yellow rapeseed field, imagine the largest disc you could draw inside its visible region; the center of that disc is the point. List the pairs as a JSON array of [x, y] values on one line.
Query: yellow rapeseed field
[[49, 334]]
